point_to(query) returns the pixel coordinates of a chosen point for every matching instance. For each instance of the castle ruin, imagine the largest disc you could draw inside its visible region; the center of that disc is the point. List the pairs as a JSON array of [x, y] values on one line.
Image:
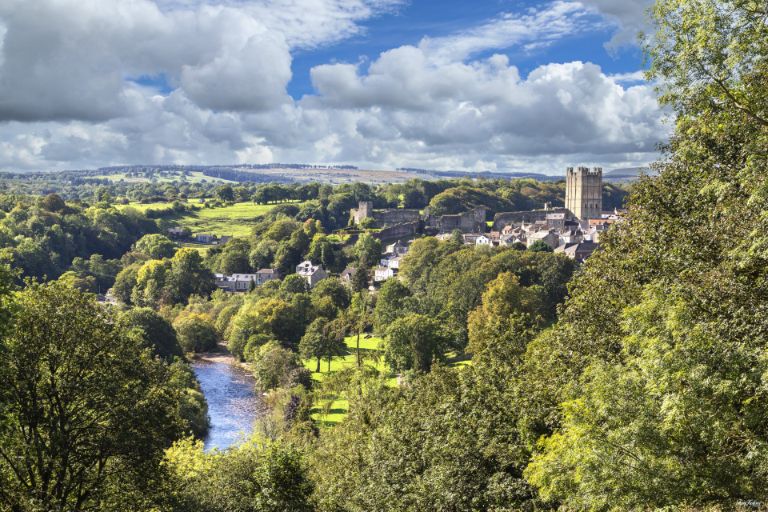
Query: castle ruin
[[584, 192]]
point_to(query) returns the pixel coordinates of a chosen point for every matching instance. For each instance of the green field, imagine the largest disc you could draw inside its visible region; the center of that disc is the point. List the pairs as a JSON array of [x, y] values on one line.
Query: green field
[[235, 220]]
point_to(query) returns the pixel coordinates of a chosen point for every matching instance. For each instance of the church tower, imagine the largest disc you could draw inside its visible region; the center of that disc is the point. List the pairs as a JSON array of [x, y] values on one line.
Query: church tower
[[584, 192]]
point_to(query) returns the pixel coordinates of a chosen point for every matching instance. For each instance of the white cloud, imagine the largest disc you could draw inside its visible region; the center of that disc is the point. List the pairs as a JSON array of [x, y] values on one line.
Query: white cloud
[[630, 16], [536, 28], [66, 100]]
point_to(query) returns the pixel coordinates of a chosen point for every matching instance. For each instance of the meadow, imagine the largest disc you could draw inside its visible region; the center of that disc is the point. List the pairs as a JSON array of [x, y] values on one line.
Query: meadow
[[233, 220]]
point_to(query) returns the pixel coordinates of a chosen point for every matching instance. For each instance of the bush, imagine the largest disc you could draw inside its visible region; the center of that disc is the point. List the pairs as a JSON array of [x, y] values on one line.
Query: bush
[[275, 367], [196, 333]]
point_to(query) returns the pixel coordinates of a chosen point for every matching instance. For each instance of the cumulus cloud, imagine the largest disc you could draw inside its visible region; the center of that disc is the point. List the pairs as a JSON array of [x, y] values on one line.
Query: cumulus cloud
[[630, 16], [70, 93]]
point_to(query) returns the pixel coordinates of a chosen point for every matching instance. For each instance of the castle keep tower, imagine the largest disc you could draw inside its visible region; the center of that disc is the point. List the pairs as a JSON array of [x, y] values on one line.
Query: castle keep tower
[[584, 192]]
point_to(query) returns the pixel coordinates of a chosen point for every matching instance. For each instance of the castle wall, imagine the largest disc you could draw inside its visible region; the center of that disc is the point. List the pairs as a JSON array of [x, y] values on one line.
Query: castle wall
[[395, 216], [398, 231]]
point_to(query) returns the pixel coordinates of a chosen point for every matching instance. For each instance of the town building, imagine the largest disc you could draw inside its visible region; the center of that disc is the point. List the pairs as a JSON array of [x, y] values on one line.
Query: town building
[[235, 282], [382, 273], [578, 252], [548, 237], [313, 274], [347, 274]]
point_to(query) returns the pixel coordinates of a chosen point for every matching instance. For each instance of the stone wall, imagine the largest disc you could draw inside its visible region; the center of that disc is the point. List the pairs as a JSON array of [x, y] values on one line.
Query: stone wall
[[502, 219], [404, 230]]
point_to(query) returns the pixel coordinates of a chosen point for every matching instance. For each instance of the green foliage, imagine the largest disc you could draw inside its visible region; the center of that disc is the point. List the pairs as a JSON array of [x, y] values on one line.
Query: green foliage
[[508, 317], [462, 199], [155, 246], [193, 408], [257, 476], [84, 412], [196, 332], [414, 342], [276, 367], [323, 338], [154, 331], [367, 249], [391, 303], [235, 258], [445, 441], [539, 246]]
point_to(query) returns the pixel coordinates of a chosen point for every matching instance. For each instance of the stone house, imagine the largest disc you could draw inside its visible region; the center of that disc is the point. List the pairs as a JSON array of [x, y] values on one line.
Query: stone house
[[313, 274]]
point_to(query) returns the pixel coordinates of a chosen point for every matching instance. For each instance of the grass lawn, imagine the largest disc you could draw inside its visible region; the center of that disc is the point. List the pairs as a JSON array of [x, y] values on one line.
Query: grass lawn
[[234, 220], [328, 412], [201, 248], [142, 207]]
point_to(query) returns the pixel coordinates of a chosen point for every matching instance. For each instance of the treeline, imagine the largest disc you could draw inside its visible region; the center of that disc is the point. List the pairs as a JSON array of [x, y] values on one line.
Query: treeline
[[460, 193], [44, 237]]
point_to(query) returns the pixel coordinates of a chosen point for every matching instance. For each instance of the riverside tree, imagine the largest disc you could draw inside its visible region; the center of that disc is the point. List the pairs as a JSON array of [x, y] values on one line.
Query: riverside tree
[[85, 411]]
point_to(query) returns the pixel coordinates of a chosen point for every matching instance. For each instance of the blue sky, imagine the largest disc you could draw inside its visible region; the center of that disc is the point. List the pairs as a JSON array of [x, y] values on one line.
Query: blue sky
[[410, 23], [495, 85]]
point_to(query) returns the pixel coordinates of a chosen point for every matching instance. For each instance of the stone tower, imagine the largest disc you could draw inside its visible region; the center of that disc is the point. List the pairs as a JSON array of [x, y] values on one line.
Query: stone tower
[[584, 192]]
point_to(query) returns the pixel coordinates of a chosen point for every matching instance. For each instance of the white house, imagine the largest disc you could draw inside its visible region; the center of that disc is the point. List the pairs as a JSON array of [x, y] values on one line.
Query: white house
[[311, 273], [483, 240], [381, 274]]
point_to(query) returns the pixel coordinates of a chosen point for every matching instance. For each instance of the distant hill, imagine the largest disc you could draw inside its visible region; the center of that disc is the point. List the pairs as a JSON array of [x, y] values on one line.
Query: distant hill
[[625, 174]]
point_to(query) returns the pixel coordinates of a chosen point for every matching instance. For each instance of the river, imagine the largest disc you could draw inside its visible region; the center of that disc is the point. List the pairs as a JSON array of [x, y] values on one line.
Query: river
[[232, 401]]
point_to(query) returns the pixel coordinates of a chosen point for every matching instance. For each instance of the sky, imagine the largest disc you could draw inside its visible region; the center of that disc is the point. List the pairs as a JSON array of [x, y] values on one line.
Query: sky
[[498, 85]]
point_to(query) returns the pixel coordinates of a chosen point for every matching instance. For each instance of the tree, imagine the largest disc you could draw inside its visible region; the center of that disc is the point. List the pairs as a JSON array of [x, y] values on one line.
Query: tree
[[334, 290], [367, 249], [313, 342], [225, 193], [154, 331], [539, 246], [155, 246], [273, 317], [256, 476], [391, 304], [85, 413], [360, 277], [642, 432], [263, 254], [323, 338], [294, 283], [125, 283], [196, 332], [647, 386], [414, 342], [188, 276], [509, 315], [234, 258], [275, 367]]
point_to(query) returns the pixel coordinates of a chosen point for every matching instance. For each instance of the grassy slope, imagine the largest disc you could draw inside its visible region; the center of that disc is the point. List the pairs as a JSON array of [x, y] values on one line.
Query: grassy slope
[[332, 411], [235, 220]]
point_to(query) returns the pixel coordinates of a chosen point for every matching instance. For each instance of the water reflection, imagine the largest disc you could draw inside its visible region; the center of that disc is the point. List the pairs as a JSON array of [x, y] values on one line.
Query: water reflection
[[232, 403]]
